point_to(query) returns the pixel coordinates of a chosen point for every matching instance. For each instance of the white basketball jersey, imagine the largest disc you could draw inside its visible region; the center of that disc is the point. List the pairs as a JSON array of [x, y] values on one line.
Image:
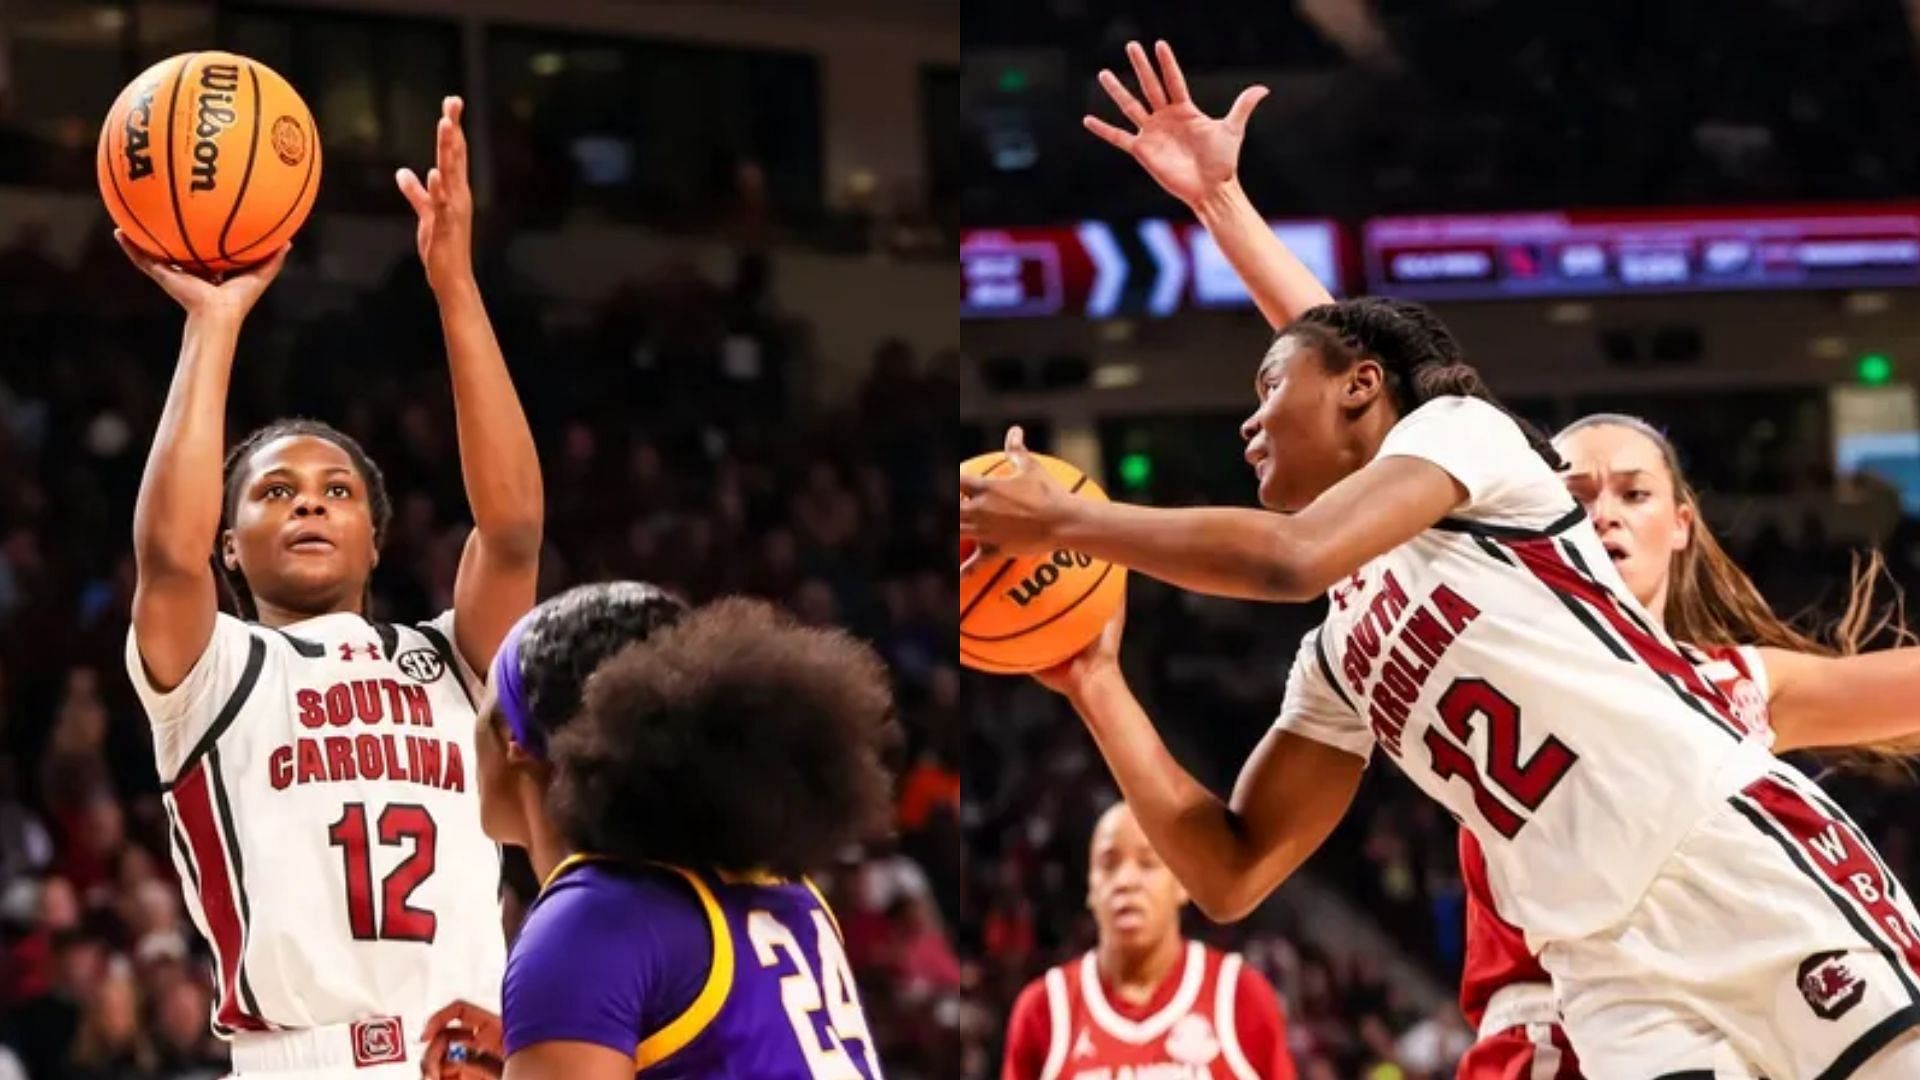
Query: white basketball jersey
[[1501, 661], [325, 820]]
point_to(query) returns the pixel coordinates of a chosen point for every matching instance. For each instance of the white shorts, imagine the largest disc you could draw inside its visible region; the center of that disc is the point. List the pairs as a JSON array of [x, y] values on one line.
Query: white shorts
[[380, 1048], [1774, 943]]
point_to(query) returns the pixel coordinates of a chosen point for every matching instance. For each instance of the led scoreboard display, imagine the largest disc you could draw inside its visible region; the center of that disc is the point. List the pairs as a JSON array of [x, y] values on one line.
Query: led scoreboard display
[[1099, 270], [1487, 257]]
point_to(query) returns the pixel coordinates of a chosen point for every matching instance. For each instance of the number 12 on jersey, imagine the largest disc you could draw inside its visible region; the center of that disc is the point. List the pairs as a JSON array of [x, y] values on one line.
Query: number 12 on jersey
[[1526, 783], [823, 1045], [401, 824]]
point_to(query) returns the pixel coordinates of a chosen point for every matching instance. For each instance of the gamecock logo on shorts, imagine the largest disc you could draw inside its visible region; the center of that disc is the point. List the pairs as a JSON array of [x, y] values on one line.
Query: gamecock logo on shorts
[[421, 665], [1829, 985], [377, 1042]]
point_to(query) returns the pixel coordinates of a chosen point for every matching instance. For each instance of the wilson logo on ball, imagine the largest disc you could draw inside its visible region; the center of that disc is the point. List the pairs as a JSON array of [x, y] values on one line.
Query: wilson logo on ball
[[218, 83], [1045, 575], [139, 119]]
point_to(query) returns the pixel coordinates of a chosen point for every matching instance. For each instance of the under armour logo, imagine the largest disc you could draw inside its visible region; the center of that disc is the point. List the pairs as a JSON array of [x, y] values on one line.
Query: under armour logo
[[347, 651], [1354, 584]]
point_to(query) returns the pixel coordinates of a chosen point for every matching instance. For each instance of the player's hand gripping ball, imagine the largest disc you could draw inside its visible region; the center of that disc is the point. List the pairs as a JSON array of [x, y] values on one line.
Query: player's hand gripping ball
[[1025, 613], [208, 161]]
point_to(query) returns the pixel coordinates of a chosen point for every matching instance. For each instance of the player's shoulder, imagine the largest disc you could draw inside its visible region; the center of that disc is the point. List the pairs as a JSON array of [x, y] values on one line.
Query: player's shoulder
[[1035, 999], [603, 888], [609, 908]]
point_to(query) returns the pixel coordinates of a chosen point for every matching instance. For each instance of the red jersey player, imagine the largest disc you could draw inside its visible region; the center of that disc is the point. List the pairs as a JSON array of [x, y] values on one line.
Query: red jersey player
[[1145, 1003]]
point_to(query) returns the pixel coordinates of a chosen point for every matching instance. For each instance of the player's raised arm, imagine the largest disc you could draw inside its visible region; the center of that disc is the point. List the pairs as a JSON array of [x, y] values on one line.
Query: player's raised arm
[[1196, 158], [1830, 702], [498, 570], [1230, 855], [176, 518], [1241, 553]]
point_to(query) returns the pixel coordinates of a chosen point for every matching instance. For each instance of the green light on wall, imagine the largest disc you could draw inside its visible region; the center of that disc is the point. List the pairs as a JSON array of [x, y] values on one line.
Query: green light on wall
[[1875, 369], [1012, 80], [1136, 470]]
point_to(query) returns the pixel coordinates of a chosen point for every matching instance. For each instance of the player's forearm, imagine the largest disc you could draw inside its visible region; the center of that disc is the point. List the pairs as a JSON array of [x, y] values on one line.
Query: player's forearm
[[1281, 285], [1851, 701], [497, 457], [177, 513], [1196, 833], [1222, 551]]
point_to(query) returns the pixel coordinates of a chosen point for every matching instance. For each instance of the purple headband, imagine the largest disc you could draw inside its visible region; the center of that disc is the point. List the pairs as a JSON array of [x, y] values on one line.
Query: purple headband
[[511, 692]]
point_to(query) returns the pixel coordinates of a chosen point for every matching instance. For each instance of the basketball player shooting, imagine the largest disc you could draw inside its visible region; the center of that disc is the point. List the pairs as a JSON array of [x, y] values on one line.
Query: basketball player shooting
[[1145, 1001], [318, 765]]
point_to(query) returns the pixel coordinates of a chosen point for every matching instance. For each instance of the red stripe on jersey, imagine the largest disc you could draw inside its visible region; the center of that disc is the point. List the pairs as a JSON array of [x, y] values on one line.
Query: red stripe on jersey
[[1834, 852], [1496, 951], [1543, 558], [1521, 1053], [194, 805]]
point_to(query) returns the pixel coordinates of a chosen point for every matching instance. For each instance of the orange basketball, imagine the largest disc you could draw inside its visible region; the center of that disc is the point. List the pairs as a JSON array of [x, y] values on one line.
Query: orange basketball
[[1029, 613], [209, 160]]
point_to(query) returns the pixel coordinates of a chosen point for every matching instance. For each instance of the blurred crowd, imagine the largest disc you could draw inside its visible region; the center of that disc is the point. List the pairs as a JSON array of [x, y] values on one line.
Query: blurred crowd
[[680, 445], [1211, 673], [1405, 106]]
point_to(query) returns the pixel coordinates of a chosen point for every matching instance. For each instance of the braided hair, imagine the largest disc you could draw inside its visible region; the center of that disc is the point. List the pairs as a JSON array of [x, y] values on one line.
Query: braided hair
[[1420, 356], [233, 582]]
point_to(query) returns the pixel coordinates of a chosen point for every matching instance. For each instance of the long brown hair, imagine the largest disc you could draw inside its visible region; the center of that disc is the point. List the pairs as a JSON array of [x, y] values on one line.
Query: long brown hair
[[1712, 602]]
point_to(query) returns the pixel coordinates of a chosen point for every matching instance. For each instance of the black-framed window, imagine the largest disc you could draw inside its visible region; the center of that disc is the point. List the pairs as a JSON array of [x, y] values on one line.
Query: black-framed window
[[65, 63], [650, 130], [374, 83]]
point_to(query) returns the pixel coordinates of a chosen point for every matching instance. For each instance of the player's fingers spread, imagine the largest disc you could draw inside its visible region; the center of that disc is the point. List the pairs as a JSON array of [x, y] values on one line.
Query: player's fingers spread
[[1130, 106], [1113, 136], [270, 269], [139, 258], [1143, 70], [448, 1014], [1243, 107], [411, 187], [1017, 448], [1170, 71]]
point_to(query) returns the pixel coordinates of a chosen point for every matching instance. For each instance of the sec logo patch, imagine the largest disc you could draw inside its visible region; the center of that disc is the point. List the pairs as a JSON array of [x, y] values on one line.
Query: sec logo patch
[[421, 665]]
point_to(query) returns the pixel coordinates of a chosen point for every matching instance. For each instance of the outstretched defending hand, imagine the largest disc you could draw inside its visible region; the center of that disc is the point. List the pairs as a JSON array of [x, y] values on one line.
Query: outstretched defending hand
[[1021, 513], [444, 203], [232, 296], [1186, 151]]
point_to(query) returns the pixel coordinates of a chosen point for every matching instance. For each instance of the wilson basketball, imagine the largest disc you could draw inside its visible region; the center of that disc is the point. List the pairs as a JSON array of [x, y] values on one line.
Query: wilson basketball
[[1029, 613], [209, 160]]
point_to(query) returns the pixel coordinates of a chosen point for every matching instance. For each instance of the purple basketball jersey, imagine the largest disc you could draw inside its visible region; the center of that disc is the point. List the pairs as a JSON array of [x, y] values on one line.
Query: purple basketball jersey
[[694, 973]]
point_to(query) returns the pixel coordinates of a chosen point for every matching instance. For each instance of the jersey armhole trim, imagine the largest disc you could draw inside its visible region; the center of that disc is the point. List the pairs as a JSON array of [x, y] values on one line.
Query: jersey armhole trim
[[1513, 532], [389, 639], [445, 648], [1059, 1024], [684, 1028], [308, 650], [1326, 669], [824, 907], [256, 659], [1226, 992]]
